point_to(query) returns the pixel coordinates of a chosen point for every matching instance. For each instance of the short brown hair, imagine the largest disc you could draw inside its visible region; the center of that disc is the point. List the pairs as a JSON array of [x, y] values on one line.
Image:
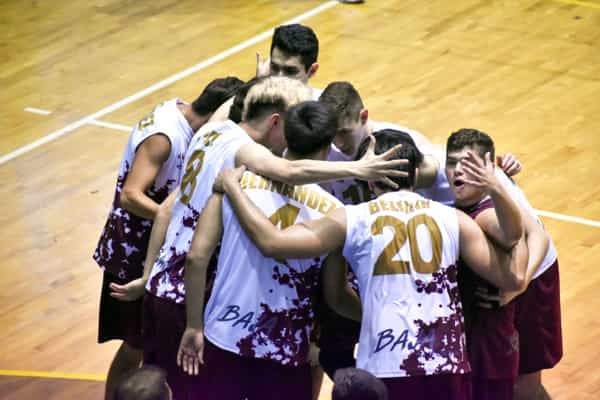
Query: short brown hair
[[344, 100]]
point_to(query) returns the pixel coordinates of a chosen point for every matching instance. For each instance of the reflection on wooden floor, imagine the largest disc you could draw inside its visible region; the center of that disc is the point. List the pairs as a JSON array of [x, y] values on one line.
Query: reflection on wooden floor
[[525, 71]]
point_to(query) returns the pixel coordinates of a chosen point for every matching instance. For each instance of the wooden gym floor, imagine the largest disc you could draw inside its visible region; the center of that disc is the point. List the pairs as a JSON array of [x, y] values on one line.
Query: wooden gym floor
[[76, 75]]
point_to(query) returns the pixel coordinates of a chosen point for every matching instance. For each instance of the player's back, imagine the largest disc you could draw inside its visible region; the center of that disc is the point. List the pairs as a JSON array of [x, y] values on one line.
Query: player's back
[[213, 148], [261, 307], [403, 249]]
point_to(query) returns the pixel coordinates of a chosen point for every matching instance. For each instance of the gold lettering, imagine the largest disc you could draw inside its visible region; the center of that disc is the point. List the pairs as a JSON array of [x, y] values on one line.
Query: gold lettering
[[384, 205], [245, 179], [300, 194], [373, 207], [313, 199], [326, 205], [210, 138]]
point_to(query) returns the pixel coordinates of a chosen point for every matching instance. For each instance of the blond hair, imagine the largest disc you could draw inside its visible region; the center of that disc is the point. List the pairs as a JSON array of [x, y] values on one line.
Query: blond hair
[[274, 94]]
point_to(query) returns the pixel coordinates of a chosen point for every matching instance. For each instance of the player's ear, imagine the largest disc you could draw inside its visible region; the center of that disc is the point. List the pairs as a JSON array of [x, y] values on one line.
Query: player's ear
[[363, 115], [274, 120], [312, 70]]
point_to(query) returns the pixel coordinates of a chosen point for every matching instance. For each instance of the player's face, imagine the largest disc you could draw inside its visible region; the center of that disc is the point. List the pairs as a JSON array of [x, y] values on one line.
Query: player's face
[[464, 193], [290, 66], [349, 136]]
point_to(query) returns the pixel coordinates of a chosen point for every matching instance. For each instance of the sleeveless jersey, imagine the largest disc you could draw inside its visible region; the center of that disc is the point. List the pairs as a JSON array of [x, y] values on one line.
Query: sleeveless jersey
[[403, 250], [517, 194], [124, 241], [213, 148], [261, 307]]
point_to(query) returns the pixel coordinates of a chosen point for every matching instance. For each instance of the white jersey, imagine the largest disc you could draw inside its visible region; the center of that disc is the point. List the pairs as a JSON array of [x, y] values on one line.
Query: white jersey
[[350, 190], [517, 194], [260, 307], [403, 249], [440, 191], [122, 247], [213, 148]]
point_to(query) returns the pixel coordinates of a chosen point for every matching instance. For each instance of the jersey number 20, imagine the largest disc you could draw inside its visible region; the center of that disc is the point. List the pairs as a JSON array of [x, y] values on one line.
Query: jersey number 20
[[386, 265]]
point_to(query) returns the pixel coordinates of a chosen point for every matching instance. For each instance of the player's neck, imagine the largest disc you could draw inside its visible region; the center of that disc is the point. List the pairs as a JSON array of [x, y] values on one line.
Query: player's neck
[[254, 132], [194, 120]]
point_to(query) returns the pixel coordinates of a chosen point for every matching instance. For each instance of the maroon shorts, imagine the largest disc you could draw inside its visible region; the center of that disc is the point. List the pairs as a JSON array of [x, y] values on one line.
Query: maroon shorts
[[439, 387], [538, 322], [493, 343], [164, 323], [229, 376], [493, 389], [119, 319]]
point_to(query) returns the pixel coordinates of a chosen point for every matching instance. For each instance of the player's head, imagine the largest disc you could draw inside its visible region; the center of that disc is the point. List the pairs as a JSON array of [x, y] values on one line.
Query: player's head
[[214, 94], [265, 106], [357, 384], [309, 130], [344, 99], [294, 51], [146, 383], [237, 107], [457, 146], [385, 139]]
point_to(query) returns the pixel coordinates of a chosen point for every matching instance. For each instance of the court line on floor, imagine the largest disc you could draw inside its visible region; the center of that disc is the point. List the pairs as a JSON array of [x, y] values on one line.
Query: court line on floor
[[160, 85], [53, 375], [568, 218], [580, 3], [110, 125], [37, 111]]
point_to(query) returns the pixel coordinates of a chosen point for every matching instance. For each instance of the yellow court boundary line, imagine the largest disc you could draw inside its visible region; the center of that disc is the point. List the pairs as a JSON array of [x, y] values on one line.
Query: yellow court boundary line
[[580, 3], [53, 375]]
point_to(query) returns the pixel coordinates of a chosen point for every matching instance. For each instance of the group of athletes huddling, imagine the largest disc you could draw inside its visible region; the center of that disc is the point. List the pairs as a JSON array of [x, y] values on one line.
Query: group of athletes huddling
[[263, 232]]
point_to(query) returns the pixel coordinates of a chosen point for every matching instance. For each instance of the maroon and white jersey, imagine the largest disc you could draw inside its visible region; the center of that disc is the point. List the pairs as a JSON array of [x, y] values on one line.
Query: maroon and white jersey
[[492, 338], [213, 148], [122, 247], [261, 307], [518, 195], [403, 249]]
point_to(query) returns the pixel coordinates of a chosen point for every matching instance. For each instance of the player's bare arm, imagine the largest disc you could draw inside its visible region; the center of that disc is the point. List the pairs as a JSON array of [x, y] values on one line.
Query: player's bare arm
[[136, 288], [309, 239], [503, 223], [537, 241], [206, 237], [338, 294], [149, 158], [502, 269], [260, 160]]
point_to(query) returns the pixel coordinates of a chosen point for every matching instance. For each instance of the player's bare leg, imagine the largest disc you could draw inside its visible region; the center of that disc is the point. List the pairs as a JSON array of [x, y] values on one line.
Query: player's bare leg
[[127, 359], [529, 387]]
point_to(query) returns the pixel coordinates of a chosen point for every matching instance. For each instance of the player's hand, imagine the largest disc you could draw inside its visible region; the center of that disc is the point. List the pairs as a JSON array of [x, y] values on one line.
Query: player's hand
[[130, 291], [229, 176], [191, 351], [263, 67], [494, 301], [372, 167], [509, 164], [478, 172]]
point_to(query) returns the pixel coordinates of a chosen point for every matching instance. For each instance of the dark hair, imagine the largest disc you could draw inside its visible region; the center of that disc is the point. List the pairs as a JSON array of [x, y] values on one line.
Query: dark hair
[[297, 40], [385, 139], [344, 99], [216, 93], [480, 142], [146, 383], [237, 107], [357, 384], [309, 127]]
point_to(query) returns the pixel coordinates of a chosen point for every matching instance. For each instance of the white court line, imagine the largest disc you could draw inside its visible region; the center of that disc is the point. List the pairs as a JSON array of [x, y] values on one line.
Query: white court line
[[111, 125], [568, 218], [37, 111], [157, 86]]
